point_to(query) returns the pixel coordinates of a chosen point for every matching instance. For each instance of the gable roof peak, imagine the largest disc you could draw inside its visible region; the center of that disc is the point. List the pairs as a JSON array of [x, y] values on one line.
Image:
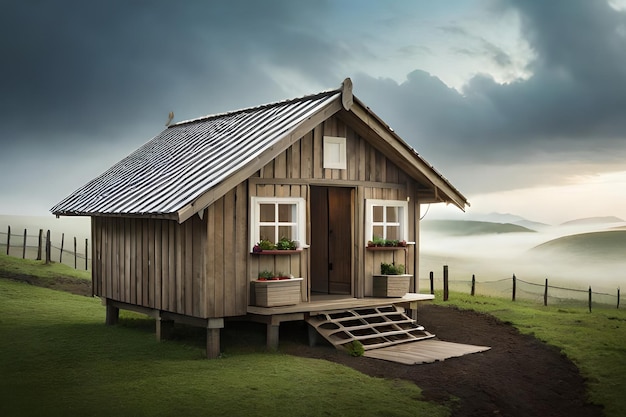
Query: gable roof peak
[[345, 89]]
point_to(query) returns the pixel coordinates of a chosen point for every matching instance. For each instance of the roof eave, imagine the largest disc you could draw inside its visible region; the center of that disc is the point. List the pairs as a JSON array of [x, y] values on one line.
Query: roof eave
[[416, 166]]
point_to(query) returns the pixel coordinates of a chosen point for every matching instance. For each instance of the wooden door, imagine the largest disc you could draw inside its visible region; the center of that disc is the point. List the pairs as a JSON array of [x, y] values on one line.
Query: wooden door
[[331, 240]]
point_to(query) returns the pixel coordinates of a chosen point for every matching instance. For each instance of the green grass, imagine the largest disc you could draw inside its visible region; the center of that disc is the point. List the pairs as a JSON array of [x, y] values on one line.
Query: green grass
[[595, 342], [57, 358], [40, 269]]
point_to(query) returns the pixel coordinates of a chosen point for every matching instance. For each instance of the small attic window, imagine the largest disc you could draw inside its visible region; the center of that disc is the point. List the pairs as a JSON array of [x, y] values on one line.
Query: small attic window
[[334, 152]]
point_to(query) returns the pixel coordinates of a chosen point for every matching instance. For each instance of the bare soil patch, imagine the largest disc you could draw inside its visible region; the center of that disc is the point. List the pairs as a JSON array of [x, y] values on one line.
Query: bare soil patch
[[519, 376]]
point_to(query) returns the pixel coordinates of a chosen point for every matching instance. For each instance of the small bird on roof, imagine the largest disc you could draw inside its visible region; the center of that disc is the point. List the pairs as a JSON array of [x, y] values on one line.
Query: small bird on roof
[[170, 118]]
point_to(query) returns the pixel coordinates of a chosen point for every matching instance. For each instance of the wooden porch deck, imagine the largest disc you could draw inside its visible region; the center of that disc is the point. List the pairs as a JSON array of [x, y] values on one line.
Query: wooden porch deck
[[320, 303], [273, 316]]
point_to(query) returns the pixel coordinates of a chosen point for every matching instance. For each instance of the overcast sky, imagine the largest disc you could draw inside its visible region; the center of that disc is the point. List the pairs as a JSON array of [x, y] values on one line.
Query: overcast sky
[[521, 104]]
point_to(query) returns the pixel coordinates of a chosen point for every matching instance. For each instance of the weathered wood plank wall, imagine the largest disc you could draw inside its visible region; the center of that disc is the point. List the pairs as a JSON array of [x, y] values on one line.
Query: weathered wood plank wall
[[151, 262]]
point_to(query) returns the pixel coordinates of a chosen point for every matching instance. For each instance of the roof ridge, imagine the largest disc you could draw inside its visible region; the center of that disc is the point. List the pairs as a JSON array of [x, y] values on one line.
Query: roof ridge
[[259, 107]]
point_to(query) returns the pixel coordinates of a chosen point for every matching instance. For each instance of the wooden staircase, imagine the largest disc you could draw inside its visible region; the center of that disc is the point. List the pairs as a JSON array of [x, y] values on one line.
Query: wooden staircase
[[374, 327]]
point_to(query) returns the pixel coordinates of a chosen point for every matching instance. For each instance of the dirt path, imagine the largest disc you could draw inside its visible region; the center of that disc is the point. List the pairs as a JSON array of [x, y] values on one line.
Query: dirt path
[[519, 376]]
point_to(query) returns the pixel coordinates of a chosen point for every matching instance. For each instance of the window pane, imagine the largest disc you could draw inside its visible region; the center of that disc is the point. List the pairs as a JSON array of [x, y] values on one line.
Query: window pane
[[378, 232], [267, 212], [286, 212], [392, 214], [377, 214], [286, 231], [267, 233], [393, 233]]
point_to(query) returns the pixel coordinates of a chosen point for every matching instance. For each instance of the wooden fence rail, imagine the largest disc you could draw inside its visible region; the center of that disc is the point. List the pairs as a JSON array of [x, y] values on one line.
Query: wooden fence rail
[[44, 247]]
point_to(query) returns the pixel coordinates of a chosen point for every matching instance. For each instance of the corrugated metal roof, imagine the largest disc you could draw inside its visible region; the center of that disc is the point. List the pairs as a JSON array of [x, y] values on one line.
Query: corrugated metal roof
[[189, 158]]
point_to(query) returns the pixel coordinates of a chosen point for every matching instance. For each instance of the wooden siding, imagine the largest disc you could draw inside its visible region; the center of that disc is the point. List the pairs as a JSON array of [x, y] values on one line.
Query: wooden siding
[[153, 263]]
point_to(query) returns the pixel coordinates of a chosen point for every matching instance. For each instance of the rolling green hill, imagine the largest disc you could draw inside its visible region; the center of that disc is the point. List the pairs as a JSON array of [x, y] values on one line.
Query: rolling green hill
[[470, 227]]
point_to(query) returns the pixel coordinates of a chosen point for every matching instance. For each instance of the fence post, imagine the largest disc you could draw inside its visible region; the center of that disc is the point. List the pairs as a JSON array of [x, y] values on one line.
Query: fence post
[[445, 283], [48, 247], [473, 284], [618, 298], [75, 255], [8, 239], [545, 294], [62, 242], [590, 298], [86, 255], [514, 288], [24, 245], [432, 282], [39, 244]]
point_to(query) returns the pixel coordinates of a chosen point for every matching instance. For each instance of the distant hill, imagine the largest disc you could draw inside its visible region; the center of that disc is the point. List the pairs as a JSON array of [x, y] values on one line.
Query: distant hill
[[593, 220], [497, 218], [470, 227], [607, 245], [532, 225]]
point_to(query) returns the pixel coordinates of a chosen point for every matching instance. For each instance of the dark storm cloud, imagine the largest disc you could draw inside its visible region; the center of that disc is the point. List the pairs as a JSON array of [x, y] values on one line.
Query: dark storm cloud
[[574, 102], [94, 69]]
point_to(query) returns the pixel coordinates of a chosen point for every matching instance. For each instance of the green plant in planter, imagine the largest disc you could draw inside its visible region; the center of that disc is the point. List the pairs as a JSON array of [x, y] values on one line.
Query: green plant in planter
[[285, 244], [265, 275], [391, 269], [377, 241], [265, 244]]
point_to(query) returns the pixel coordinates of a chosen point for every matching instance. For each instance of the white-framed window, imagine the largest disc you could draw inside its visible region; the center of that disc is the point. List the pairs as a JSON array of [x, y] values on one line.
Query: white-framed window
[[335, 152], [273, 218], [386, 219]]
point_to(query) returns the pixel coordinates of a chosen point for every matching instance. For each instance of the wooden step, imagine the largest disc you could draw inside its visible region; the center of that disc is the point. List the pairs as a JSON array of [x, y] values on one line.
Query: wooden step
[[374, 327]]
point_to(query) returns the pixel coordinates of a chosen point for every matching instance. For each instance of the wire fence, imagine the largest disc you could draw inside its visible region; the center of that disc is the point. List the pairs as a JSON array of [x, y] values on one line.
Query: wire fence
[[68, 251], [515, 288]]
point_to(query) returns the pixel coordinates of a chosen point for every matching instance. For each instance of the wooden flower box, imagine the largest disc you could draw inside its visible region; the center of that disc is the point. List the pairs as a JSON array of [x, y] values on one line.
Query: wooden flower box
[[391, 285], [274, 293]]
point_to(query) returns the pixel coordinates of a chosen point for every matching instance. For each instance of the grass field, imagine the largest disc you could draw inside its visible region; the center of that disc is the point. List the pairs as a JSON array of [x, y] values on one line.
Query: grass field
[[595, 342], [57, 358]]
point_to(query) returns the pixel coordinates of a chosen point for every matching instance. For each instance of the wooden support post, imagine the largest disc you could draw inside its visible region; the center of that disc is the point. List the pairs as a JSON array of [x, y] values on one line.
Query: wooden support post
[[432, 282], [473, 285], [412, 310], [75, 254], [8, 239], [39, 244], [514, 288], [272, 336], [545, 294], [112, 314], [24, 245], [213, 338], [445, 283], [590, 298], [164, 328], [313, 335]]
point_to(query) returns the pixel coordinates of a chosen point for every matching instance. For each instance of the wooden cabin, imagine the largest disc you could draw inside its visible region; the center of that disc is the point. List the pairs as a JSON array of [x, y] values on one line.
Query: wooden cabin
[[175, 224]]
